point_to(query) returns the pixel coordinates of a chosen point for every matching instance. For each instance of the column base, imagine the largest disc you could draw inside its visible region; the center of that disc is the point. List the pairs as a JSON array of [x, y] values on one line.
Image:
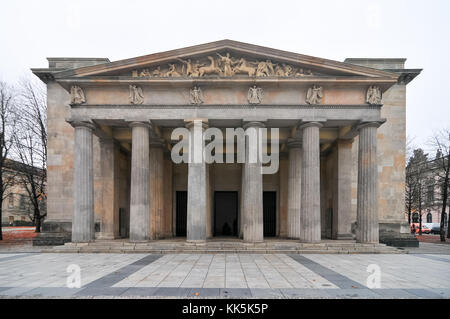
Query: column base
[[310, 241], [137, 241], [344, 237], [106, 236], [196, 241], [51, 239], [397, 234]]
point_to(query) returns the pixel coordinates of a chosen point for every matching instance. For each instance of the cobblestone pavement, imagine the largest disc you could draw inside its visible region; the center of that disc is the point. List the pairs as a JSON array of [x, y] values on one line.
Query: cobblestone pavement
[[225, 275]]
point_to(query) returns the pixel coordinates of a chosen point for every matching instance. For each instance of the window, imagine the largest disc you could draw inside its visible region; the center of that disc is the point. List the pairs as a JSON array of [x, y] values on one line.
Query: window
[[429, 218], [11, 220], [415, 218], [430, 194], [11, 201], [22, 201]]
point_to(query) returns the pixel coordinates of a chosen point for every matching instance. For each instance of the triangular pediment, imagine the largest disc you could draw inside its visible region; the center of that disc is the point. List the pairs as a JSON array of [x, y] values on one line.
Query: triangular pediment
[[225, 58]]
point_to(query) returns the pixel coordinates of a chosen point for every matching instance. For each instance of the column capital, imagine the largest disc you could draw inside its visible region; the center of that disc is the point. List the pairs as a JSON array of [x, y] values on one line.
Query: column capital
[[82, 123], [310, 124], [255, 124], [364, 124], [294, 143], [189, 123], [139, 123]]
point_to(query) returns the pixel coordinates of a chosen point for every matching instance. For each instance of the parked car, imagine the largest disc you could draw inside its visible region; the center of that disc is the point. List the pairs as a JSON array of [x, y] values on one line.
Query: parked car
[[425, 229], [436, 228]]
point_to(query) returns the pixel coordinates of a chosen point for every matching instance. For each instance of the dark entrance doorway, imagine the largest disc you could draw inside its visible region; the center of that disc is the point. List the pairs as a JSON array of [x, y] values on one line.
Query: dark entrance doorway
[[225, 213], [181, 213], [270, 213]]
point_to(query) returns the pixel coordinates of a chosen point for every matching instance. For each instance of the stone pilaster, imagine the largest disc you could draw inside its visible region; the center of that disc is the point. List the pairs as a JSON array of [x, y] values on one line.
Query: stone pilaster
[[156, 167], [140, 183], [310, 186], [83, 184], [367, 206], [294, 187], [197, 184], [253, 183]]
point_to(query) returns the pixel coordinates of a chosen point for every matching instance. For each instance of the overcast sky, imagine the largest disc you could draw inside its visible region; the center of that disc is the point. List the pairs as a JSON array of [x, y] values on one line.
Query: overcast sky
[[31, 31]]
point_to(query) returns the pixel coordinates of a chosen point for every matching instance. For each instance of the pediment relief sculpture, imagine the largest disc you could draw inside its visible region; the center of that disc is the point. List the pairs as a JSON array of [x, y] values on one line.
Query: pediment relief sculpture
[[374, 95], [77, 95], [254, 95], [314, 95], [223, 65], [196, 96], [136, 95]]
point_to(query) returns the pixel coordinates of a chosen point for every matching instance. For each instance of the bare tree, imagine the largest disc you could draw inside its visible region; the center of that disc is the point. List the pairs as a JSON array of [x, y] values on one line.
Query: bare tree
[[410, 191], [410, 185], [31, 146], [7, 129], [441, 142], [419, 174]]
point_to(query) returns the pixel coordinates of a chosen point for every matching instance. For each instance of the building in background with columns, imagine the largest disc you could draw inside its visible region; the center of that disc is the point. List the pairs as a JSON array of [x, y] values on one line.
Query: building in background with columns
[[341, 136]]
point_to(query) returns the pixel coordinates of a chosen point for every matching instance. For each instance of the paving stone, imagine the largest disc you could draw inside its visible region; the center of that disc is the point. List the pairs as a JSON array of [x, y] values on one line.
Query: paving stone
[[140, 291], [304, 293], [171, 292], [394, 293], [204, 292], [102, 291], [235, 292], [351, 293], [266, 293], [52, 292], [424, 293]]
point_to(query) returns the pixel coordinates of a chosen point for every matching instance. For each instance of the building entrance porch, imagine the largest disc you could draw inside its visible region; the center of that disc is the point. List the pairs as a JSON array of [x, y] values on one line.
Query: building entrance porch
[[309, 198]]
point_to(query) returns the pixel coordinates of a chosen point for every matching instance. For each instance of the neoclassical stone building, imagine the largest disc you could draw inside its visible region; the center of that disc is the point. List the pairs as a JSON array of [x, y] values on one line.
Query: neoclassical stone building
[[342, 146]]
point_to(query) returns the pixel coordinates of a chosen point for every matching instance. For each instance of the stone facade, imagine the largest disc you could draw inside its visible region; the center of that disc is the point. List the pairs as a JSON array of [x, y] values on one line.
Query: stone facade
[[117, 118]]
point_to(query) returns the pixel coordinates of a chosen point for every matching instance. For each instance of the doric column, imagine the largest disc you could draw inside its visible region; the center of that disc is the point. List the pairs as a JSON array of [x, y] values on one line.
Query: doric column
[[197, 184], [342, 216], [242, 206], [83, 184], [156, 166], [310, 186], [367, 207], [294, 187], [109, 157], [140, 183], [253, 183]]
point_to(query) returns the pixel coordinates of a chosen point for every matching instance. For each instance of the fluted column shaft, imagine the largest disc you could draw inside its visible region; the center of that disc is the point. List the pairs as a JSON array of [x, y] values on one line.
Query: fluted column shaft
[[310, 186], [294, 187], [140, 183], [83, 185], [367, 206], [197, 184], [156, 167], [253, 184]]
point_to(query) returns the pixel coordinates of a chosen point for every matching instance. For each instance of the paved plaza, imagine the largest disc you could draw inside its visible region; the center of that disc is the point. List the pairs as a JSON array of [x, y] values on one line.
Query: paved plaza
[[30, 274]]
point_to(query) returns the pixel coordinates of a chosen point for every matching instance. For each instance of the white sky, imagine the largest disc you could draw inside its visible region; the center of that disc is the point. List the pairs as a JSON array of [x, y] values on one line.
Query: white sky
[[30, 31]]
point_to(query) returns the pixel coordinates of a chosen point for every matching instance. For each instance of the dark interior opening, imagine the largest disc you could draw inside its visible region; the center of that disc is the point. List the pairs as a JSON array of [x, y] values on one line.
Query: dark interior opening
[[225, 213]]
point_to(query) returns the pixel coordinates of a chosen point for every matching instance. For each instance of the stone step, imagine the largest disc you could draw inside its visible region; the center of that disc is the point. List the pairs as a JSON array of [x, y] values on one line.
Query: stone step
[[111, 249]]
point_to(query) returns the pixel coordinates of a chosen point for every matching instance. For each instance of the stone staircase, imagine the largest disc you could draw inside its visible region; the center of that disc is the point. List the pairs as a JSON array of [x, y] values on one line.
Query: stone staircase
[[226, 247]]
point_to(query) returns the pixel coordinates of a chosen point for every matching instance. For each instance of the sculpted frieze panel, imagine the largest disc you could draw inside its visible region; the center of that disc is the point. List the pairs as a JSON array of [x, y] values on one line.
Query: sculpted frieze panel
[[223, 65]]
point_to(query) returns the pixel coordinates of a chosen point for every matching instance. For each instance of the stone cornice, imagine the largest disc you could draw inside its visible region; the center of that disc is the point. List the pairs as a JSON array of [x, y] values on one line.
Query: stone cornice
[[229, 106], [188, 81]]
